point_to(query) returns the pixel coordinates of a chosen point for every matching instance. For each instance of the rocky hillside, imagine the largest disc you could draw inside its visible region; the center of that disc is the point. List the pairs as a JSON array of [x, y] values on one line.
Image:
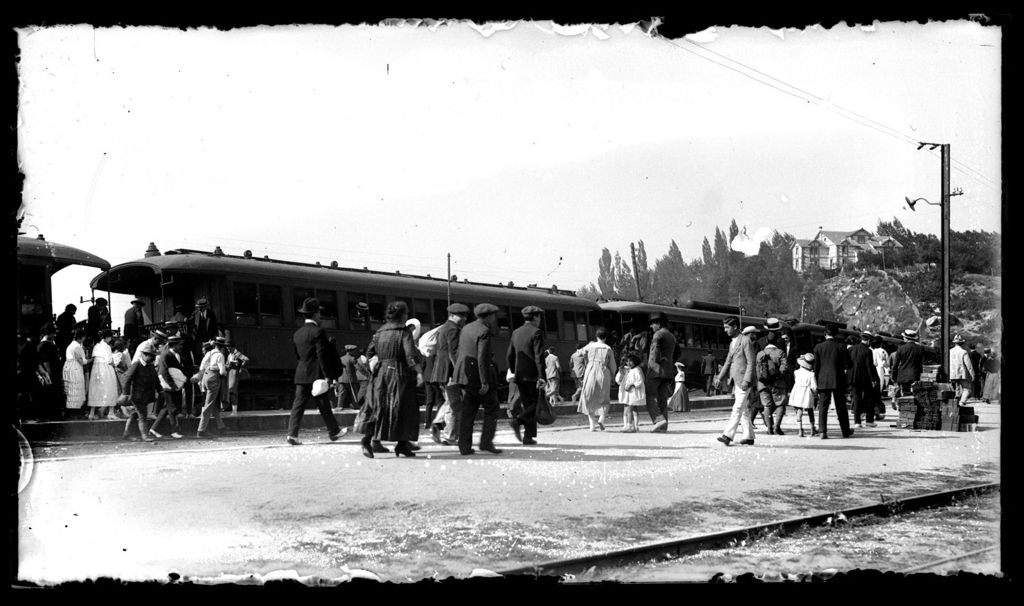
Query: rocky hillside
[[873, 300]]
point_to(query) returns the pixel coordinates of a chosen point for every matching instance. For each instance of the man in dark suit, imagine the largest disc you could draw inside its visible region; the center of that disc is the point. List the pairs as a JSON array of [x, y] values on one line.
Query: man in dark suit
[[317, 359], [97, 318], [661, 371], [709, 368], [203, 326], [907, 362], [476, 374], [831, 360], [66, 327], [133, 321], [449, 415], [864, 379], [525, 360], [975, 356]]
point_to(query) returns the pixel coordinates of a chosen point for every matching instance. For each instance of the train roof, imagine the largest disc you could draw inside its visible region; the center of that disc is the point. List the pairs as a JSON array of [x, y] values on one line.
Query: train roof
[[39, 251], [128, 277], [639, 307]]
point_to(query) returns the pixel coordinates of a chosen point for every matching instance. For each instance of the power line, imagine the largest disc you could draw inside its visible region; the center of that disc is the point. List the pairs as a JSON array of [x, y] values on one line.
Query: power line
[[810, 97]]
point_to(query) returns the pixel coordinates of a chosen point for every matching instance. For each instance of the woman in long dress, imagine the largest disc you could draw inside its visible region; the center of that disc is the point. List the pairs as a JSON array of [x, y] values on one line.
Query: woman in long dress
[[595, 398], [680, 400], [74, 371], [392, 413], [103, 385], [992, 385]]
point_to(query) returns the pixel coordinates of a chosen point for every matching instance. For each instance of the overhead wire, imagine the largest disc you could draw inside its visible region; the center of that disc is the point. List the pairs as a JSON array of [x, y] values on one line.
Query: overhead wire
[[837, 109]]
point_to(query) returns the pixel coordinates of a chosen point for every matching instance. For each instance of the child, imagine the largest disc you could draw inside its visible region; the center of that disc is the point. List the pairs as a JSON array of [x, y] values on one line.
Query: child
[[805, 391], [634, 394], [236, 364], [141, 390]]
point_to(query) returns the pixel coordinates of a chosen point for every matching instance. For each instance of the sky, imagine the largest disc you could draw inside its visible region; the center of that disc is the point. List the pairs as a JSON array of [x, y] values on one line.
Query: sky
[[522, 150]]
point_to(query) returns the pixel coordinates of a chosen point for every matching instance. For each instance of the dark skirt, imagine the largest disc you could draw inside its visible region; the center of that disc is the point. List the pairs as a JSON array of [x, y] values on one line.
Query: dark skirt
[[391, 411]]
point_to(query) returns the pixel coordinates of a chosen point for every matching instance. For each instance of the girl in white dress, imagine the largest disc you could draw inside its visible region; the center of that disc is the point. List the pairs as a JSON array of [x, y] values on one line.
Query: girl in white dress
[[596, 396], [103, 386], [74, 371], [805, 391], [632, 393]]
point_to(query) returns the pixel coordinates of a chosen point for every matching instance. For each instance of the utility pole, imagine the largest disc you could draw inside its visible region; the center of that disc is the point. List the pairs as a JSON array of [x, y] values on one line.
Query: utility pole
[[803, 307], [449, 280], [636, 275], [945, 262]]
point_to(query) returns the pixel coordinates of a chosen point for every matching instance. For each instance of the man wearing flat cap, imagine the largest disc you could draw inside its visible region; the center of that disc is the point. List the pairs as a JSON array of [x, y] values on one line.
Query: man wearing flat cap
[[907, 362], [449, 415], [525, 357], [661, 371], [864, 380], [317, 359], [477, 375], [157, 339]]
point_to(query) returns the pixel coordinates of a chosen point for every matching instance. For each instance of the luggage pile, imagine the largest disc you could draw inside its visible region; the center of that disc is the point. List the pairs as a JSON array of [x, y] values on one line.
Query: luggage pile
[[933, 406]]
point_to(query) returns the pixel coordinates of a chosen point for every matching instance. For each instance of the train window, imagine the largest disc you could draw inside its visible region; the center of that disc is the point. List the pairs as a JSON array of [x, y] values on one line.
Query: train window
[[568, 326], [270, 305], [377, 305], [299, 295], [246, 305], [691, 335], [421, 311], [504, 320], [550, 324], [356, 316], [581, 326], [329, 302], [440, 310]]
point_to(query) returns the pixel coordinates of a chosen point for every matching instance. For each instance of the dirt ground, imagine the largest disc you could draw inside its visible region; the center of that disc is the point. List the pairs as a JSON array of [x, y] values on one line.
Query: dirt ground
[[251, 506]]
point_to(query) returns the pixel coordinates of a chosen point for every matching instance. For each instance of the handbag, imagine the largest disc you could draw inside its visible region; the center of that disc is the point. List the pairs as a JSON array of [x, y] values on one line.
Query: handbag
[[545, 414]]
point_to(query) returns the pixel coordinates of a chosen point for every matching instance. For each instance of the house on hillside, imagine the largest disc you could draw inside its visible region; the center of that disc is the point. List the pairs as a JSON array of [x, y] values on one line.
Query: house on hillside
[[833, 249]]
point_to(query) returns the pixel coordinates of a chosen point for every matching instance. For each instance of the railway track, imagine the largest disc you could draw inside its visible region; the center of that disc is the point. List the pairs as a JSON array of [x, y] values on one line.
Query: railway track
[[667, 550]]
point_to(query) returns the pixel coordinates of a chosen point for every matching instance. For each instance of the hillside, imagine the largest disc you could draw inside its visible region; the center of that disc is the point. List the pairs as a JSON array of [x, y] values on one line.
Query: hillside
[[874, 300]]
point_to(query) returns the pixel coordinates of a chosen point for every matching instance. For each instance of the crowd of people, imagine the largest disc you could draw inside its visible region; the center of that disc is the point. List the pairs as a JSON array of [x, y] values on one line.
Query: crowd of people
[[186, 368], [84, 370]]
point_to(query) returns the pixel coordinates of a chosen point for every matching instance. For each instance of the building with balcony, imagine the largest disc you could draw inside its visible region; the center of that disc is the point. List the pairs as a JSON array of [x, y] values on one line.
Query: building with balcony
[[834, 249]]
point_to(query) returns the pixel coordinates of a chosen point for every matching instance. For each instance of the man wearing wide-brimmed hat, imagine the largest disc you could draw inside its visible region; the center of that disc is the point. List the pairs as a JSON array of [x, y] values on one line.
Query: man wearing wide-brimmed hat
[[908, 362], [317, 360], [772, 368], [133, 319], [864, 381], [661, 371], [961, 370]]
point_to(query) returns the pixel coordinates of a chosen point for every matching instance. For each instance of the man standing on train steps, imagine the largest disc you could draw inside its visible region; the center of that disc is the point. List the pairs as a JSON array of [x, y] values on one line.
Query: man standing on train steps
[[449, 415], [477, 375], [739, 367], [526, 360], [661, 371], [831, 361], [317, 359], [133, 323], [203, 326]]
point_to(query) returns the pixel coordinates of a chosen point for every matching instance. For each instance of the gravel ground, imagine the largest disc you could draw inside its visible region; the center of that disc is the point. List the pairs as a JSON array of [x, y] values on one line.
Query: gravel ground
[[217, 509]]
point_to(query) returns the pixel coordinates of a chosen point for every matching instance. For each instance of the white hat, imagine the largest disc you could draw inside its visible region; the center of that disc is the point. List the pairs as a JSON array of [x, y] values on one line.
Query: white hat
[[750, 330], [319, 387]]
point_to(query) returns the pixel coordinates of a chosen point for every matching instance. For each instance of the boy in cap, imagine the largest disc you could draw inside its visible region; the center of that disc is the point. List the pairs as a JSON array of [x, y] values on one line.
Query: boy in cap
[[140, 390], [446, 353], [476, 374], [169, 405], [525, 358]]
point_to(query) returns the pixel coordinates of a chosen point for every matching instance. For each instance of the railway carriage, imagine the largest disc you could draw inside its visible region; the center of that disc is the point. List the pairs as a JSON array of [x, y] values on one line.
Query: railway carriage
[[38, 260], [255, 300]]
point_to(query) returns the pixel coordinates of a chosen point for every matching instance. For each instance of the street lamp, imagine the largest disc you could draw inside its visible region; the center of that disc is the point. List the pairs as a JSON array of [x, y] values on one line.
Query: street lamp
[[944, 353]]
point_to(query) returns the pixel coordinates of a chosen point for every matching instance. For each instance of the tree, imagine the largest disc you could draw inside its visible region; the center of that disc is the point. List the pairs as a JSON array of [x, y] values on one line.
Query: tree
[[643, 272], [625, 286], [605, 275], [721, 256], [705, 250]]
